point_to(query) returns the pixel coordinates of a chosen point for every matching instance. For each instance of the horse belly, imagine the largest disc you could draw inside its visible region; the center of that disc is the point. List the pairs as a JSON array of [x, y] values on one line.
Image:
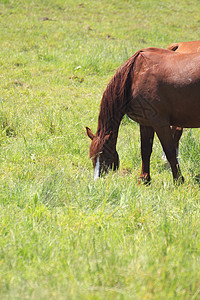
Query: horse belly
[[189, 118], [185, 107]]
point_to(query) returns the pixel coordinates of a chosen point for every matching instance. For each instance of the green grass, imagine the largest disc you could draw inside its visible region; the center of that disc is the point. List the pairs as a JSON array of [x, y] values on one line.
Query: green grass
[[62, 235]]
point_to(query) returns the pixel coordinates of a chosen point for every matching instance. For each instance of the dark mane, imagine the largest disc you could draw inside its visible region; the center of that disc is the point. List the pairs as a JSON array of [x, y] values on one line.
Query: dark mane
[[115, 97]]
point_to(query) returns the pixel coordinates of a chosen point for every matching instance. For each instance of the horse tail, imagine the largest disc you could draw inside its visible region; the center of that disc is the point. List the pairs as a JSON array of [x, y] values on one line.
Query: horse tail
[[173, 47]]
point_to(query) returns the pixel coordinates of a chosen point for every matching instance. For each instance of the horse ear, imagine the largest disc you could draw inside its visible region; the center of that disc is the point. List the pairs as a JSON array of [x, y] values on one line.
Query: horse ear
[[108, 136], [89, 133]]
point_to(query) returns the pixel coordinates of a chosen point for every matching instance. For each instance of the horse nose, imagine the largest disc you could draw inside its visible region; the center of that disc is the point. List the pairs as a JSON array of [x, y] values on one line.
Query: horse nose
[[97, 169], [96, 177]]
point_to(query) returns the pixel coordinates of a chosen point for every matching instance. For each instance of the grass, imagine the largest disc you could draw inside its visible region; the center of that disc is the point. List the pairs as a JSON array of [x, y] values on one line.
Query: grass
[[62, 235]]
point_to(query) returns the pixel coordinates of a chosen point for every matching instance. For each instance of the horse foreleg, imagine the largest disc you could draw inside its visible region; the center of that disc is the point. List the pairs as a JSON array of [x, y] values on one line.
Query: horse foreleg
[[166, 138], [147, 136]]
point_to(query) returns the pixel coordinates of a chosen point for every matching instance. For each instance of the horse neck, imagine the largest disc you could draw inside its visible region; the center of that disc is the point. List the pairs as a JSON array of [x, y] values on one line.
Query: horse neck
[[114, 101], [110, 117]]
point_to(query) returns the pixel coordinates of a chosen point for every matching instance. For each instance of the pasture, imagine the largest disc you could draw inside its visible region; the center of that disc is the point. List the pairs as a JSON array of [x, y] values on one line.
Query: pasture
[[62, 234]]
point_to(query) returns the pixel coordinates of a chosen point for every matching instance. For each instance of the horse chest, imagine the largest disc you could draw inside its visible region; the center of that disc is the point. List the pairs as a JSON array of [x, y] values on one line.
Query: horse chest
[[142, 111]]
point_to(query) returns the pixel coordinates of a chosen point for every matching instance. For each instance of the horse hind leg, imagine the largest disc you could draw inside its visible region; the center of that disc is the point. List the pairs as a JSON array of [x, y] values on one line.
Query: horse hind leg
[[147, 136], [176, 133], [166, 138]]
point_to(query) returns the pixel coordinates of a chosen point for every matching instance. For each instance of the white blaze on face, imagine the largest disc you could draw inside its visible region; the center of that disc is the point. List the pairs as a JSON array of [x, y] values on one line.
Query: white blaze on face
[[97, 169]]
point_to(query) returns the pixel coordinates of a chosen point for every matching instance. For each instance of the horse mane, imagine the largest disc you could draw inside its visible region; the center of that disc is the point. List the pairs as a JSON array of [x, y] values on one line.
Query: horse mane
[[115, 98]]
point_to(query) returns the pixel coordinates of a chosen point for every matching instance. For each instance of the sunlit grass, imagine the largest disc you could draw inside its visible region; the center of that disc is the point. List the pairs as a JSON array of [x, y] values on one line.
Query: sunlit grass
[[62, 235]]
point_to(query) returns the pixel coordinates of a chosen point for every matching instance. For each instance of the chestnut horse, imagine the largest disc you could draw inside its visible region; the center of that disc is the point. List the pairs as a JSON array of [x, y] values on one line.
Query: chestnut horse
[[157, 88], [184, 47]]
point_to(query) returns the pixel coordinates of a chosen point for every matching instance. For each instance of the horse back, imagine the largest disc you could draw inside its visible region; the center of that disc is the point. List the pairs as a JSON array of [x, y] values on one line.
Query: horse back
[[174, 68], [185, 47]]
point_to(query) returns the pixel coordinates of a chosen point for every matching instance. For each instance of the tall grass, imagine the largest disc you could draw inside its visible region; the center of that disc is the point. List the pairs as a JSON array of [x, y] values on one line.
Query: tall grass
[[62, 235]]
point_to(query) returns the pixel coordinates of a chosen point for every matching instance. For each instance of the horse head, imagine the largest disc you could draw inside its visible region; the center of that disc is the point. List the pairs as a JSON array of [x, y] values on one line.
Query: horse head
[[102, 153]]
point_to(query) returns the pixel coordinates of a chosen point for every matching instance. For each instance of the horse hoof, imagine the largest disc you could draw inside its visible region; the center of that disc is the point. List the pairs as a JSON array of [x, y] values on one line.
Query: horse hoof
[[144, 180], [179, 181]]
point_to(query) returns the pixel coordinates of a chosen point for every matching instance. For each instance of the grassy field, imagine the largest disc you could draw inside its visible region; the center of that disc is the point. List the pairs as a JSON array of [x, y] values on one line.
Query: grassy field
[[62, 235]]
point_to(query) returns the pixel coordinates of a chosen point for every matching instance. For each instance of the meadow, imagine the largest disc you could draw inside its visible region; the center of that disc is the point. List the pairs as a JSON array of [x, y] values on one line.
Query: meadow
[[62, 234]]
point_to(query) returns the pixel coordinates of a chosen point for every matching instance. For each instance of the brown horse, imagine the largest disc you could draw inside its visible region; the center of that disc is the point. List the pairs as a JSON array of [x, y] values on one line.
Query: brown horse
[[156, 88], [184, 47]]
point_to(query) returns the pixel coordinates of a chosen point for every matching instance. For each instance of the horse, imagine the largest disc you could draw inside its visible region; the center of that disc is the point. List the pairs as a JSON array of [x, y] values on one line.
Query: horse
[[156, 88], [183, 47]]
